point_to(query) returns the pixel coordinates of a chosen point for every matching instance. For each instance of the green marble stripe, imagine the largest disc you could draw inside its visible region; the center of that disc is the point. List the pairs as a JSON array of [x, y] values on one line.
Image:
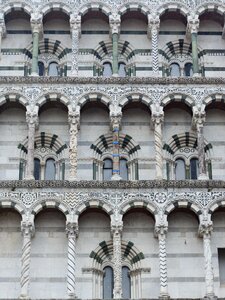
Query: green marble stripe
[[216, 69], [86, 68], [105, 248], [128, 249], [10, 68], [137, 258], [143, 68]]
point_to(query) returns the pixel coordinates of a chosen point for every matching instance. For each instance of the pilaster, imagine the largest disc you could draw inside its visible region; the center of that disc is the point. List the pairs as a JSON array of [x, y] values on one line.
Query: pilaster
[[75, 28]]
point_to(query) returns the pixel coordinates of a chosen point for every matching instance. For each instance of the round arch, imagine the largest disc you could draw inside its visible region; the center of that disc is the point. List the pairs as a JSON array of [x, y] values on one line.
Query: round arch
[[183, 203], [89, 204], [150, 207], [134, 6], [219, 203], [210, 7], [171, 7], [178, 97], [17, 6], [8, 203], [90, 97], [56, 6], [214, 98], [135, 97], [96, 6], [13, 97], [52, 97], [49, 203]]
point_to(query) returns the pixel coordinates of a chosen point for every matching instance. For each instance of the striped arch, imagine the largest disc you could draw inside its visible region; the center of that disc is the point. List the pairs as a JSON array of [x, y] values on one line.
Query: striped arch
[[94, 203], [104, 143], [91, 97], [178, 97], [183, 203], [173, 7], [17, 6], [140, 7], [55, 6], [216, 205], [211, 7], [49, 203], [13, 205], [176, 47], [95, 6], [151, 207], [135, 97], [53, 97], [13, 97], [181, 140], [104, 253], [46, 140], [214, 98]]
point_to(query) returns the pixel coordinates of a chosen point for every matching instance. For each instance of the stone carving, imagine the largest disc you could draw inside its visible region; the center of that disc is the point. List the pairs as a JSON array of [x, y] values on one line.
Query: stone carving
[[75, 26], [36, 22], [114, 22], [193, 23], [115, 124], [153, 28]]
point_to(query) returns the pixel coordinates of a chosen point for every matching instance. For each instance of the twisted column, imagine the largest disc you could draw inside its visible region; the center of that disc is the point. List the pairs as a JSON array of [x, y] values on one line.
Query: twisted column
[[114, 22], [116, 230], [32, 123], [72, 233], [37, 28], [27, 229], [74, 123], [75, 27], [193, 26], [115, 124], [160, 231], [205, 230], [153, 28]]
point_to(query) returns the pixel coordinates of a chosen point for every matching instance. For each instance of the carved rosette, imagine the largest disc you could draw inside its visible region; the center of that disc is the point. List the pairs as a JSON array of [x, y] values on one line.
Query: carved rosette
[[72, 233], [27, 229], [115, 125], [75, 27], [117, 260], [74, 123], [153, 29]]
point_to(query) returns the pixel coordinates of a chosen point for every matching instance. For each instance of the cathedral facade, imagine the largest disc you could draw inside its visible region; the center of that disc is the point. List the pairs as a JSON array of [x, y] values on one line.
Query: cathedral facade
[[112, 149]]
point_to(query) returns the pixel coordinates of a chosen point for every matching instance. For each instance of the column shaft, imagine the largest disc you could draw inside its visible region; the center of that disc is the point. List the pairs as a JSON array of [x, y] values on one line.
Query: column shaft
[[155, 51], [74, 127], [163, 266], [115, 66], [208, 265], [75, 24], [34, 69], [195, 52], [117, 259], [158, 150], [201, 151], [115, 124]]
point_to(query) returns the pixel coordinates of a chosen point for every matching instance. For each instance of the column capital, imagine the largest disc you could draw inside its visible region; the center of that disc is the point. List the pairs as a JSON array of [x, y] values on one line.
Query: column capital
[[116, 223], [115, 121], [27, 228], [72, 229], [205, 228], [114, 23], [2, 25], [36, 22], [75, 23], [193, 23], [153, 24], [32, 115], [157, 114], [199, 116], [74, 115]]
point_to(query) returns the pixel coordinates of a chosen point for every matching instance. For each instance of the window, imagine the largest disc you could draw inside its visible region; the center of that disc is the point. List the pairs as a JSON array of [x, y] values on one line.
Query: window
[[188, 70], [126, 283], [180, 172], [41, 68], [37, 169], [174, 70], [123, 169], [53, 69], [194, 168], [50, 169], [107, 169], [122, 70], [107, 69], [108, 283], [221, 258]]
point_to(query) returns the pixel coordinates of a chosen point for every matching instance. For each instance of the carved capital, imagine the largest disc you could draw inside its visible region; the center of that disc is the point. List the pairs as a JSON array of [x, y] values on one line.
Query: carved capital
[[199, 116], [32, 115], [27, 228], [36, 22], [114, 22], [205, 228], [72, 229], [157, 114], [153, 24], [74, 119], [193, 24], [75, 23]]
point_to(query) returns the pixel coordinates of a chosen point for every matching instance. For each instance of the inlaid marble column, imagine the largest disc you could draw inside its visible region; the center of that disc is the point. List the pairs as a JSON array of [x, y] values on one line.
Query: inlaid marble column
[[74, 124], [115, 125], [198, 121], [32, 123], [153, 32], [114, 22], [157, 120], [161, 229], [2, 30], [75, 28], [37, 30], [72, 233], [193, 26], [205, 230], [116, 230], [27, 229]]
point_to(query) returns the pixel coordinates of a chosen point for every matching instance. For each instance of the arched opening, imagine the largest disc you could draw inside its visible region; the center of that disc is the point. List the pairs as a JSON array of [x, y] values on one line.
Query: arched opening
[[37, 169], [107, 69], [53, 69], [122, 69], [50, 170], [180, 170], [123, 169], [108, 283], [194, 168], [188, 69], [107, 169], [174, 70], [126, 283], [41, 68]]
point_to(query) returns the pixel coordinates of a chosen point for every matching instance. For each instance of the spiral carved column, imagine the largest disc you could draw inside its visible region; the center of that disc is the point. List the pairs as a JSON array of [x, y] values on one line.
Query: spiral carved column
[[157, 120], [72, 233], [27, 229]]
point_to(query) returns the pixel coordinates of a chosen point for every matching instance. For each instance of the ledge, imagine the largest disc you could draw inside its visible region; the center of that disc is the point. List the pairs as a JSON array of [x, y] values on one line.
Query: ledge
[[141, 184]]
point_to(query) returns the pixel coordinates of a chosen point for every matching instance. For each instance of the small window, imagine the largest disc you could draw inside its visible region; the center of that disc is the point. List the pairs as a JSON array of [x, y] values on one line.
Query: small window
[[107, 169], [53, 69], [123, 169], [221, 257], [188, 70], [180, 169], [194, 168], [108, 283], [122, 70], [41, 68], [50, 169], [37, 169], [174, 70], [107, 69], [126, 283]]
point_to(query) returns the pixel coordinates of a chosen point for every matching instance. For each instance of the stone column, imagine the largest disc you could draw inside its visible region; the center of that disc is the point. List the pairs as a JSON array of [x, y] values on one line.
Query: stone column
[[160, 231], [198, 121], [74, 123], [193, 25], [114, 21], [37, 30], [2, 30], [75, 28], [72, 233], [205, 230], [116, 230], [32, 122], [115, 125], [157, 119], [153, 31], [27, 228]]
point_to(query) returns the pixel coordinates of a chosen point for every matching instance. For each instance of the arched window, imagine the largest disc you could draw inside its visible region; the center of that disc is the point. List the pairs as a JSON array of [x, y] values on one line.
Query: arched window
[[50, 169], [126, 283], [122, 70], [107, 69], [180, 169], [53, 69], [108, 283], [194, 168], [188, 69], [174, 70], [37, 169], [123, 169], [107, 169], [41, 68]]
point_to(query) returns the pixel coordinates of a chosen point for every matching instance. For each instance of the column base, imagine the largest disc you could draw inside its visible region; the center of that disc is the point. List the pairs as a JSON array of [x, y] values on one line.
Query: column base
[[196, 75], [34, 74], [24, 297], [116, 177], [29, 178], [115, 75], [210, 297], [73, 179], [164, 297], [72, 297], [203, 177]]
